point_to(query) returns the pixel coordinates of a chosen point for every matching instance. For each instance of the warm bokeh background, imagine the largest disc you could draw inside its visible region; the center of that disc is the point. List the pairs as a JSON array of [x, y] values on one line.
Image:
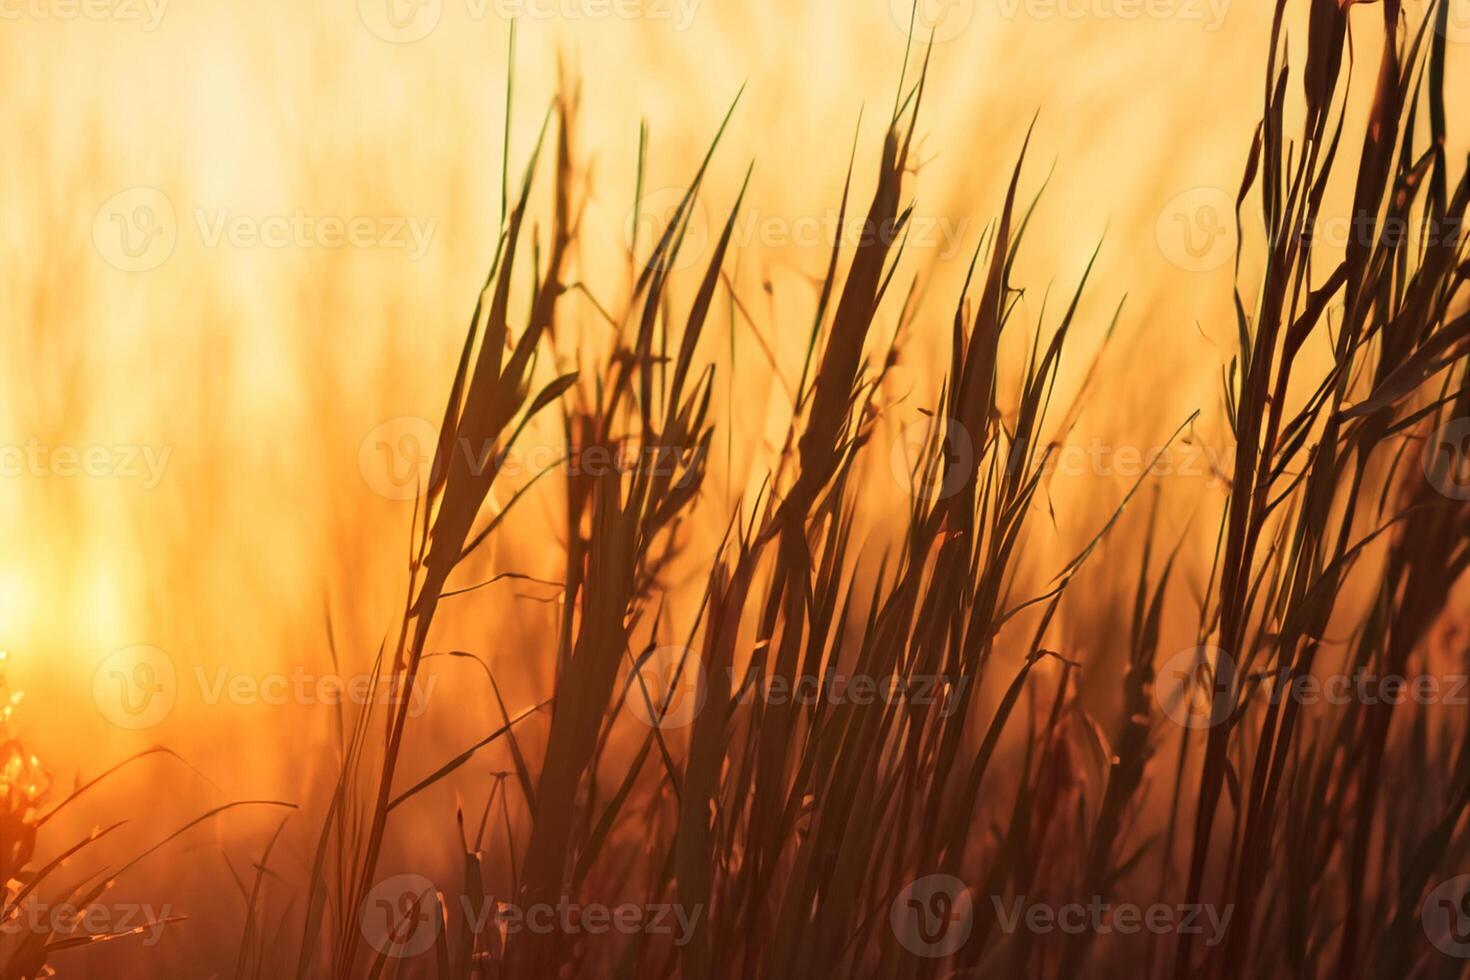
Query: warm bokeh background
[[262, 370]]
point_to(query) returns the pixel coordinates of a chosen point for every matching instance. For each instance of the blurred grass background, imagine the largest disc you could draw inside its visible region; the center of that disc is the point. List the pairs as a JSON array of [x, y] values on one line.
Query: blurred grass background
[[262, 370]]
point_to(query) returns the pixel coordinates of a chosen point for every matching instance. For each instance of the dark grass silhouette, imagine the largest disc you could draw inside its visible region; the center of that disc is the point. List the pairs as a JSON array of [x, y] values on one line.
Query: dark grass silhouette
[[791, 831]]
